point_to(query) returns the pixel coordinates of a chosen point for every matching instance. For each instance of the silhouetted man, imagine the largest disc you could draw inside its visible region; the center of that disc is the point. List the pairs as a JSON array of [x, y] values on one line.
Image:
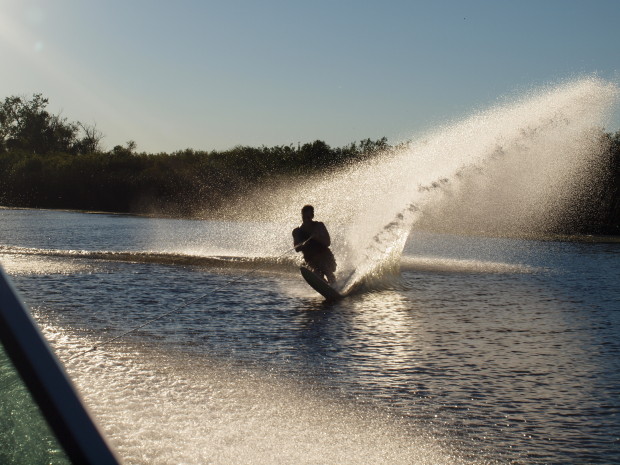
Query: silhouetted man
[[312, 239]]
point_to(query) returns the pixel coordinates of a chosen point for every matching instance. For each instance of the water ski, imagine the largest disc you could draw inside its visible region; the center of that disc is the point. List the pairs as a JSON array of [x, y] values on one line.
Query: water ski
[[319, 285]]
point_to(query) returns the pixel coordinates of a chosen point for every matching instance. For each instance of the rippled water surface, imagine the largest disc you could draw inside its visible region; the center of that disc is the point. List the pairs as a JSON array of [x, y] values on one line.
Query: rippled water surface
[[480, 351]]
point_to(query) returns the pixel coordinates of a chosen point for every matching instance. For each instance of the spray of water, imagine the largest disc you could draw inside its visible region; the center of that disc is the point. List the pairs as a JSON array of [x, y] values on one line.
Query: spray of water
[[510, 169]]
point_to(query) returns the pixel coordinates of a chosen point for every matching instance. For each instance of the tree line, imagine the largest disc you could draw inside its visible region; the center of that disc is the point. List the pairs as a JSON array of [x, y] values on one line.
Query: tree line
[[47, 161]]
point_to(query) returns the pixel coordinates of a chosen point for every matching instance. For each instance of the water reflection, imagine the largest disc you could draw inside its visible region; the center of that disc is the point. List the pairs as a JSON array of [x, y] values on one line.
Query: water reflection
[[518, 360]]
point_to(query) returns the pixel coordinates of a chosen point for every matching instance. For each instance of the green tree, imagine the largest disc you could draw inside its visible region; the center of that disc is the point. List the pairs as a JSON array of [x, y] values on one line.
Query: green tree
[[26, 125]]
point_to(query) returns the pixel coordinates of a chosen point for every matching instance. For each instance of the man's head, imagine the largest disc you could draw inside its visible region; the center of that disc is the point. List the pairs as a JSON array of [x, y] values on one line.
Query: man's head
[[307, 213]]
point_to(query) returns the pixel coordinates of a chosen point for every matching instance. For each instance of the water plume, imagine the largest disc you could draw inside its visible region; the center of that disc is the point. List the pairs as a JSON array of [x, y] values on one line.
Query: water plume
[[516, 168]]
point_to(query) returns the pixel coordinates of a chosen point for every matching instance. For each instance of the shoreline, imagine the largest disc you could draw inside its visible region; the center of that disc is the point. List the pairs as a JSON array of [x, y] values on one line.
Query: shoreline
[[103, 212], [542, 237], [581, 238]]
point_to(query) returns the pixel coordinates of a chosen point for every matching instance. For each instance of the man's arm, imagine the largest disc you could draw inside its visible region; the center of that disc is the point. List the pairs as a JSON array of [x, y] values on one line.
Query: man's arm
[[297, 240]]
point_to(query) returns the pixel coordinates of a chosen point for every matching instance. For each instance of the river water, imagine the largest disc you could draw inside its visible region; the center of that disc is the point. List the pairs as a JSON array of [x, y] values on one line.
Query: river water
[[481, 350]]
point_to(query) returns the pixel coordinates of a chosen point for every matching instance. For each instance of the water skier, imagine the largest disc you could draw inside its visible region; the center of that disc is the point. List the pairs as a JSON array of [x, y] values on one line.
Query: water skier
[[312, 239]]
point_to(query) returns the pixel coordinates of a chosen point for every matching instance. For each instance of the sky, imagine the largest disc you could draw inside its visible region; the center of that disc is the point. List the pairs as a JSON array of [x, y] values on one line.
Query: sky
[[210, 75]]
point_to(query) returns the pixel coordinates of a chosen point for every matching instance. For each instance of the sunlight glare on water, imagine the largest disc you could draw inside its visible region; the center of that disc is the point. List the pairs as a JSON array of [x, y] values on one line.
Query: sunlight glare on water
[[220, 414]]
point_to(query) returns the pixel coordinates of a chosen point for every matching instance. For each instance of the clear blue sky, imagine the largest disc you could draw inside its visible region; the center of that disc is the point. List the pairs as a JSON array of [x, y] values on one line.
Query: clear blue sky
[[214, 74]]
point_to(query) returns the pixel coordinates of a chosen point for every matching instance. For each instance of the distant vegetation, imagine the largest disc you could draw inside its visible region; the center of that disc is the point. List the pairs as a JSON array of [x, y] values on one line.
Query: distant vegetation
[[47, 161]]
